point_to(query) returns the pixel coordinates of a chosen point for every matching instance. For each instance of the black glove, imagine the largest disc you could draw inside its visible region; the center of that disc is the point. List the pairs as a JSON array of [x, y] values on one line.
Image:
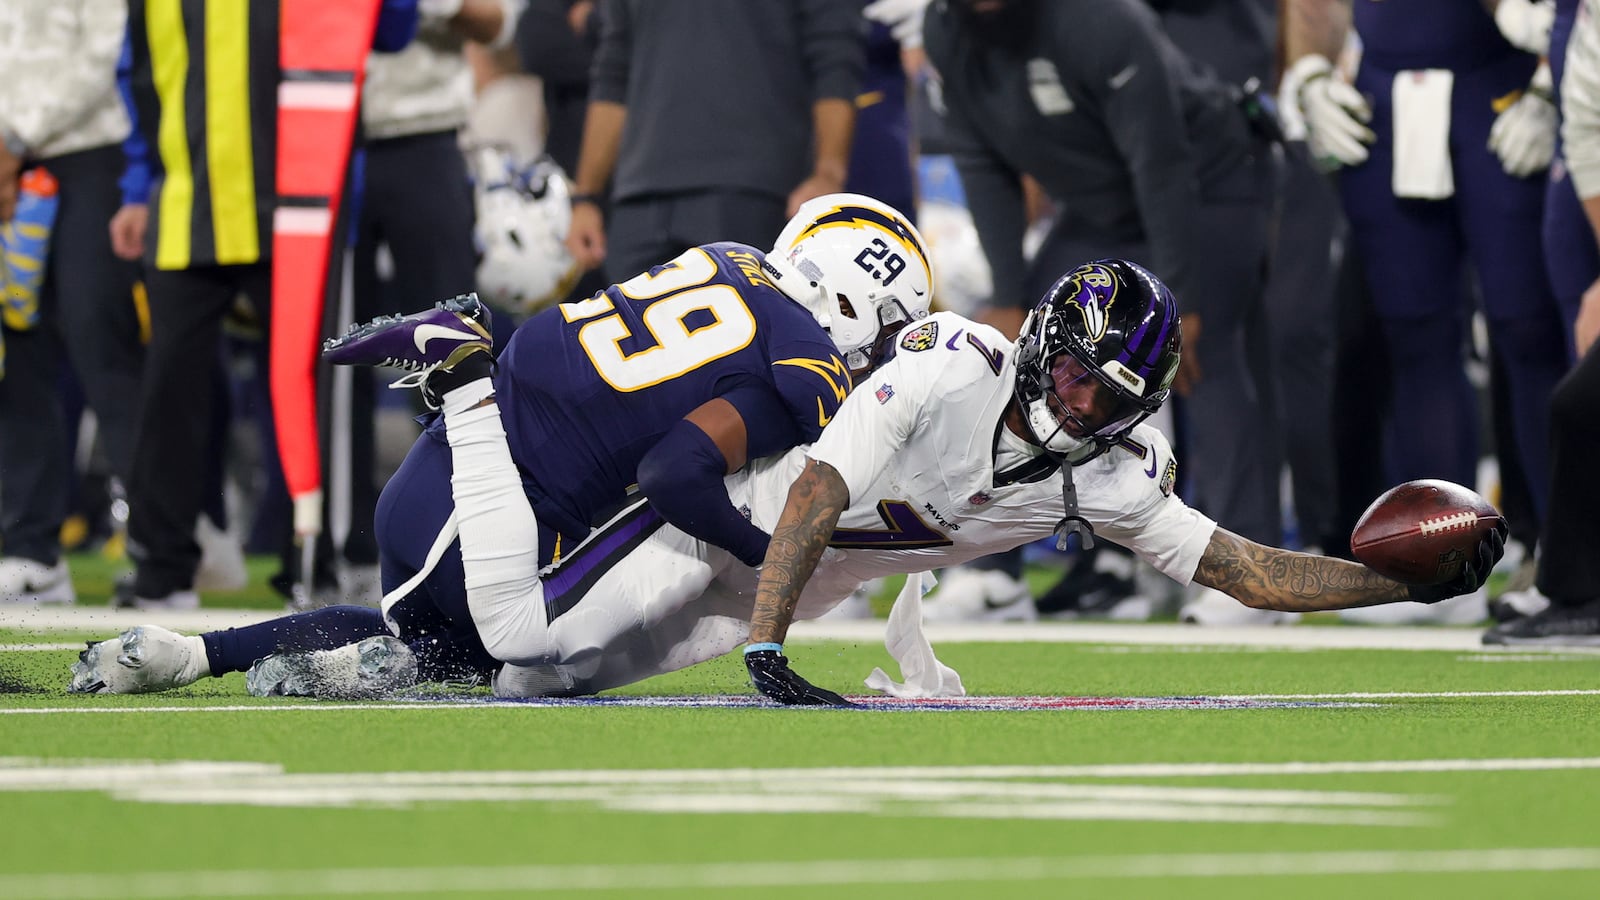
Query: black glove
[[1473, 572], [771, 675]]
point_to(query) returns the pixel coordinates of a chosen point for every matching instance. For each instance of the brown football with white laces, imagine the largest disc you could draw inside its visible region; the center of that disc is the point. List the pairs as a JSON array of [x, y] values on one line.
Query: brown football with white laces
[[1422, 532]]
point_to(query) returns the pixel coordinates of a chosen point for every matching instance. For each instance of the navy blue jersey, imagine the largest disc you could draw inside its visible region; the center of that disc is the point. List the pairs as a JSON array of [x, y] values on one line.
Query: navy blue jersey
[[587, 388], [1428, 34]]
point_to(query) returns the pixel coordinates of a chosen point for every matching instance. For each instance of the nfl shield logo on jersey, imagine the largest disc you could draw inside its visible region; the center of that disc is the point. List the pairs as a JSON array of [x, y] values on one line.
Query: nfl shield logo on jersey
[[980, 498], [884, 393], [921, 338]]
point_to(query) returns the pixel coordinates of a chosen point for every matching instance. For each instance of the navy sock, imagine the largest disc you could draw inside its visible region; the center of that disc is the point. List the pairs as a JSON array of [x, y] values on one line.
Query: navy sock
[[237, 649]]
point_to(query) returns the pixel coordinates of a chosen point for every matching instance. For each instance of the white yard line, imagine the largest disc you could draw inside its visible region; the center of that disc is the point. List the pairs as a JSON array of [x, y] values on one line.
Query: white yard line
[[21, 770], [1413, 695], [514, 704], [1057, 793], [1554, 654], [642, 878], [95, 619], [968, 793]]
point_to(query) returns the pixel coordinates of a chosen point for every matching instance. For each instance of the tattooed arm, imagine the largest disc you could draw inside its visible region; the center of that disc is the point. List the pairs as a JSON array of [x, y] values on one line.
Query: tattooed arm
[[1269, 578], [816, 500]]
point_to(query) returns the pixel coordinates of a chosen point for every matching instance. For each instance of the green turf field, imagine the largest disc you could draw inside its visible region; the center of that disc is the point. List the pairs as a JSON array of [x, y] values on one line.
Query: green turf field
[[1485, 782]]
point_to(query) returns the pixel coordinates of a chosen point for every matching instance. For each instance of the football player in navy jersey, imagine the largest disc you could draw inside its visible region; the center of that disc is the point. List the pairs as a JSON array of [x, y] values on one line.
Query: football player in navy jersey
[[664, 383]]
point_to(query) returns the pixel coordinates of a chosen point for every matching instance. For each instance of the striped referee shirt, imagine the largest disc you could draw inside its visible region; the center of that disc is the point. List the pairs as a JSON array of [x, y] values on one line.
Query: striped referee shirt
[[204, 80]]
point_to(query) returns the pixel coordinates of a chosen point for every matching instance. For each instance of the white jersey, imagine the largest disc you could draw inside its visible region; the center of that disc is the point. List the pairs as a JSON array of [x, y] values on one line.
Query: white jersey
[[916, 445]]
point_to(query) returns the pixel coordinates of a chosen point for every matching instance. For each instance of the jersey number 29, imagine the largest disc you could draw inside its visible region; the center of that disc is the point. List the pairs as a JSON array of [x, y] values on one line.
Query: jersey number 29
[[669, 296]]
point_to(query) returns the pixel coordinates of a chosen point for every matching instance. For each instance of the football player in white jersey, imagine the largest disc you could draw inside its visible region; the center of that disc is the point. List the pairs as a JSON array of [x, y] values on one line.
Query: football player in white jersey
[[964, 444]]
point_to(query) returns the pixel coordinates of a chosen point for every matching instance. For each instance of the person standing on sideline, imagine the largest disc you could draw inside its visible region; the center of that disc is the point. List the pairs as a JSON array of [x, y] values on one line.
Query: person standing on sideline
[[711, 120], [203, 226], [1569, 570], [59, 111]]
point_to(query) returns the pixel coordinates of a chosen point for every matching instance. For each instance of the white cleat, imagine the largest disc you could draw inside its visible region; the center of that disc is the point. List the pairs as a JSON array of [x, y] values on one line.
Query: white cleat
[[1212, 607], [366, 670], [141, 660], [1519, 604], [221, 565], [25, 582], [177, 600], [979, 595], [125, 597]]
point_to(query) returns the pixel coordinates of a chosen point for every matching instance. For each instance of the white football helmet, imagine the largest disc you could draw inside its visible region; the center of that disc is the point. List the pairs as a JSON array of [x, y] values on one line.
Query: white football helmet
[[523, 216], [860, 267]]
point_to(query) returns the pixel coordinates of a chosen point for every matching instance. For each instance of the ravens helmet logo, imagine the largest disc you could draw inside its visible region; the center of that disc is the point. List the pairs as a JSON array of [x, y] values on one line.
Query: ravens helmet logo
[[1092, 289]]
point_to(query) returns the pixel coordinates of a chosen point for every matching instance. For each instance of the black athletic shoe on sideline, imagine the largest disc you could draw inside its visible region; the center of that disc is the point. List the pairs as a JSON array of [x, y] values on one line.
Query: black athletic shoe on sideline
[[1557, 626]]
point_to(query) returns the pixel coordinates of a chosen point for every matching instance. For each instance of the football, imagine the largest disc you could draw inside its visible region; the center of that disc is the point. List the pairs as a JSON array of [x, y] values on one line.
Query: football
[[1421, 532]]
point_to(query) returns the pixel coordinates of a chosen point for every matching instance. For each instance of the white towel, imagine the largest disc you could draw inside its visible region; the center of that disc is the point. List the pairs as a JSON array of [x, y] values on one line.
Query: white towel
[[925, 675], [1422, 134]]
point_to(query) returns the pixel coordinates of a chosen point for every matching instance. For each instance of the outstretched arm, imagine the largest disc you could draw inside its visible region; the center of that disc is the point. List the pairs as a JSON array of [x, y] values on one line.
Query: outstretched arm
[[1269, 578]]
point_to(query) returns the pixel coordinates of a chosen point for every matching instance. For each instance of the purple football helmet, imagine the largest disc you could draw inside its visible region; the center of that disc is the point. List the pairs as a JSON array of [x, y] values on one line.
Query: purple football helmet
[[1107, 330]]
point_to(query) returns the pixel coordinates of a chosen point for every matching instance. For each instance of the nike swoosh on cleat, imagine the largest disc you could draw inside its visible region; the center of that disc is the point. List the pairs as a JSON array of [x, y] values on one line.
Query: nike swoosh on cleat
[[425, 333]]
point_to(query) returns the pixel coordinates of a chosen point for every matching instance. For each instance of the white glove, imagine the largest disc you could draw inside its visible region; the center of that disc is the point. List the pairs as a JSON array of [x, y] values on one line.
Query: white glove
[[1335, 113], [904, 18], [439, 9], [1526, 23], [1524, 135]]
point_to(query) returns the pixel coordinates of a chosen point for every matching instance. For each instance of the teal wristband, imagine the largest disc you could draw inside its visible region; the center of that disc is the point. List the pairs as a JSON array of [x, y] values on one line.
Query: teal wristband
[[756, 648]]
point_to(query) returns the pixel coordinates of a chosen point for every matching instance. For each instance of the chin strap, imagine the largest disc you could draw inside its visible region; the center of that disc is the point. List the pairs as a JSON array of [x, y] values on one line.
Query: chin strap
[[1072, 522]]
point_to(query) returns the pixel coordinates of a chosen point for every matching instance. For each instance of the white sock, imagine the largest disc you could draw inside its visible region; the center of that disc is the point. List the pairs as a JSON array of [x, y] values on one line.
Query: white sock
[[499, 532], [465, 397], [198, 665]]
